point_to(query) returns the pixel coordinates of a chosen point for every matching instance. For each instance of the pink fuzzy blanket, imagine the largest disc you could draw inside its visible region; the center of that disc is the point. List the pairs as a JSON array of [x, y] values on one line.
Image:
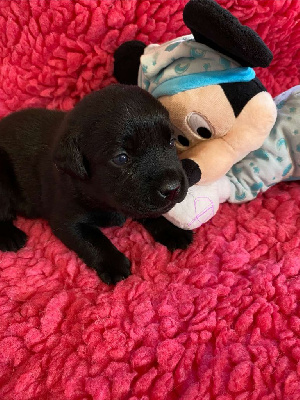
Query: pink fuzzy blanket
[[218, 321]]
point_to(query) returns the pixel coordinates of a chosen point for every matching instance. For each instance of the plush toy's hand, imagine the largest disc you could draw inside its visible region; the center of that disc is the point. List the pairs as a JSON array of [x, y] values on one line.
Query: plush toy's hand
[[200, 204]]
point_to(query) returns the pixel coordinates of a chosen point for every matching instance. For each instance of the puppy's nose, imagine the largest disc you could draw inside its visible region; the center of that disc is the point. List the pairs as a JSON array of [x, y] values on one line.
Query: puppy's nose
[[169, 190]]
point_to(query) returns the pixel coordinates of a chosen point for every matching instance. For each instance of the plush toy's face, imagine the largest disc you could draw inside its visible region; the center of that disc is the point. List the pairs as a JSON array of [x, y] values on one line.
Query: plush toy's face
[[220, 111], [209, 133], [193, 113]]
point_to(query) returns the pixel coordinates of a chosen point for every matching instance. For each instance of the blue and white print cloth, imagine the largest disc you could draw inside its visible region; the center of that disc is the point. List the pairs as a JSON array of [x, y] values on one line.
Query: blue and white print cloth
[[182, 64], [277, 160]]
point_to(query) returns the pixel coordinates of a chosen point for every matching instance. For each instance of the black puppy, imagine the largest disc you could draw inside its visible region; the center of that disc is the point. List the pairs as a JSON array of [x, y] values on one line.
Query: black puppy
[[111, 157]]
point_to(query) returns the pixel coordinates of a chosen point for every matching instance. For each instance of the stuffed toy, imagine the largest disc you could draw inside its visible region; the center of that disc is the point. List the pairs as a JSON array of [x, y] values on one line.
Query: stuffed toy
[[232, 139], [278, 159]]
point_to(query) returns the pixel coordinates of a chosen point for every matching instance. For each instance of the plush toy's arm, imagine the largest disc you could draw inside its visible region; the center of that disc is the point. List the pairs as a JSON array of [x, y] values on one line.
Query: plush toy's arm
[[200, 204]]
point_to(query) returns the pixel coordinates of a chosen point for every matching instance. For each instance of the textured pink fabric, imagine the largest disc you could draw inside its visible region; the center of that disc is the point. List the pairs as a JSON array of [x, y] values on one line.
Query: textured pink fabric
[[218, 321]]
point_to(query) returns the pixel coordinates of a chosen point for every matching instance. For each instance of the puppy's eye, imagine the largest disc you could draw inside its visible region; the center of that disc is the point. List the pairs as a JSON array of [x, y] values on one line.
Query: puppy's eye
[[121, 159], [199, 126], [172, 142]]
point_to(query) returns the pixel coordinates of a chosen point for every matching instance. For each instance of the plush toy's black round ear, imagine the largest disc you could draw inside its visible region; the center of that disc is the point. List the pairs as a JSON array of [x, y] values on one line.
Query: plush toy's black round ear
[[127, 61], [192, 170], [217, 28]]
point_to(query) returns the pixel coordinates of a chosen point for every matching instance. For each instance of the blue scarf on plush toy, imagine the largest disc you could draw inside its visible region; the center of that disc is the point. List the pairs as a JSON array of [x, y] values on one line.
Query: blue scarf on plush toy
[[184, 64]]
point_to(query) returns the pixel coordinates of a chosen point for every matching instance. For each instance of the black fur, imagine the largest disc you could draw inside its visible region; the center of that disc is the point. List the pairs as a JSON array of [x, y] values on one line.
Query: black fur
[[62, 167]]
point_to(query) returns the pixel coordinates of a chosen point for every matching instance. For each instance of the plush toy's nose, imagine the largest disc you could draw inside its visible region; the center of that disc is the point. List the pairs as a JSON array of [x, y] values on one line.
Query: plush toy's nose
[[169, 190], [192, 170]]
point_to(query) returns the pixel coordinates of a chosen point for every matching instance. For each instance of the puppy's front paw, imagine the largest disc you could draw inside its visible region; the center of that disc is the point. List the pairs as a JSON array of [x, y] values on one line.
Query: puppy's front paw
[[168, 234], [115, 270], [106, 219], [176, 239], [11, 237]]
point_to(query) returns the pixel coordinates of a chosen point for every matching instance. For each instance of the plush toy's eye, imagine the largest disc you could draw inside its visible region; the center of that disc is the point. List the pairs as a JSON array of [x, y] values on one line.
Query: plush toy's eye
[[121, 159], [183, 140], [199, 126]]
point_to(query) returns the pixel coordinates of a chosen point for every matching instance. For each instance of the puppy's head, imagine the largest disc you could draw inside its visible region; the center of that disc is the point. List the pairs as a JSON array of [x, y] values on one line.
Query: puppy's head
[[117, 144]]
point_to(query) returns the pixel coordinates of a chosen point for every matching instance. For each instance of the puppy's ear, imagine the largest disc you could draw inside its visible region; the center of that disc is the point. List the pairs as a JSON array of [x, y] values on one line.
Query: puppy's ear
[[68, 156]]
